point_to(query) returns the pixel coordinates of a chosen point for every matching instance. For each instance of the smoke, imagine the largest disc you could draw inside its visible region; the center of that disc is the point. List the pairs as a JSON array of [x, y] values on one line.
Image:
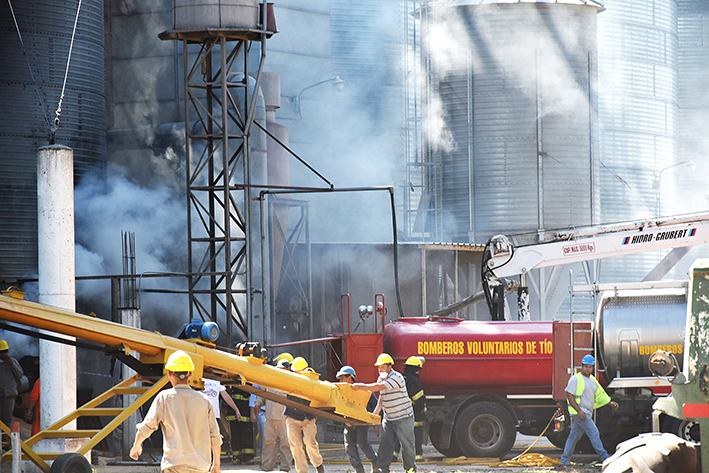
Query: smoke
[[110, 202]]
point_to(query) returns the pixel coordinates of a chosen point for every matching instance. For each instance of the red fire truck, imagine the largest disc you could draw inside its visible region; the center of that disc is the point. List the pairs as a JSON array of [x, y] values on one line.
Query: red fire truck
[[487, 380]]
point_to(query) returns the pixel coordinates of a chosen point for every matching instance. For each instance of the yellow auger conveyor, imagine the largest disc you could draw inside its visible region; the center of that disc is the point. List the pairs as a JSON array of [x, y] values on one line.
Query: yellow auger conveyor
[[336, 401]]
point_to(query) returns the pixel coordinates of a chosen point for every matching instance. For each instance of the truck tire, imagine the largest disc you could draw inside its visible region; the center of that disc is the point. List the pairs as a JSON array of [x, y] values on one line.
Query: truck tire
[[434, 433], [70, 463], [485, 429], [682, 428]]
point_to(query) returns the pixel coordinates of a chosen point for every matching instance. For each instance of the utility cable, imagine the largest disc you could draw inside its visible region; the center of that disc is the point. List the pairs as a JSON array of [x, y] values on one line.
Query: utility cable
[[53, 131], [29, 66]]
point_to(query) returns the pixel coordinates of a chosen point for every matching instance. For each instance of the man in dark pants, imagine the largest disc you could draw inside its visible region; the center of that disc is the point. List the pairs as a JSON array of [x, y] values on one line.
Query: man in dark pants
[[398, 420], [10, 374], [358, 434], [242, 430], [418, 399]]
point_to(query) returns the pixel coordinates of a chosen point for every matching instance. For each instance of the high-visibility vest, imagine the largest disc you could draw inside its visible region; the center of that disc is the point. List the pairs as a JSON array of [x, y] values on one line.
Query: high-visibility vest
[[600, 398]]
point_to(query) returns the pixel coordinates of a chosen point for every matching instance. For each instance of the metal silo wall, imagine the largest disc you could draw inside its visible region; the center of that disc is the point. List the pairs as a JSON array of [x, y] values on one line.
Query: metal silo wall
[[46, 28], [637, 117], [687, 187], [518, 101]]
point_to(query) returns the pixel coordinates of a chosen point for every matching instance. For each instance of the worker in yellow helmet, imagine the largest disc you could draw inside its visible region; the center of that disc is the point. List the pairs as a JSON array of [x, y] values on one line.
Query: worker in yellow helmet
[[10, 374], [302, 429], [191, 440], [398, 419]]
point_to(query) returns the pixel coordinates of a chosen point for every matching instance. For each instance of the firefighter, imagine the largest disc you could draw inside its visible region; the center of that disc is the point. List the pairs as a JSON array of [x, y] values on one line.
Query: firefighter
[[584, 394], [191, 440], [414, 388], [242, 430]]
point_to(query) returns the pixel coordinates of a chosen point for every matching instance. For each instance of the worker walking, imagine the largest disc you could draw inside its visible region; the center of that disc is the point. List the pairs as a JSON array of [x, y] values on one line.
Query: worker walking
[[358, 435], [584, 394], [398, 420], [302, 429], [191, 440], [10, 373]]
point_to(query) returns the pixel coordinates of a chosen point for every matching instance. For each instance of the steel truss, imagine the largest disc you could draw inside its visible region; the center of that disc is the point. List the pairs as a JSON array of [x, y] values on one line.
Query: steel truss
[[222, 100]]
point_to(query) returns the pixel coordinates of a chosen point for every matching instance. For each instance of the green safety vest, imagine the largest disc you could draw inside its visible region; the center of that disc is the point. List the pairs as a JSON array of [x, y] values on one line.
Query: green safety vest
[[600, 398]]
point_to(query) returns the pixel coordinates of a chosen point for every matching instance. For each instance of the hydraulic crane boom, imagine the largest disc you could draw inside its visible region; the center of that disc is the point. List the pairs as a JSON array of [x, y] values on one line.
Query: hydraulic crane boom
[[154, 348], [597, 243]]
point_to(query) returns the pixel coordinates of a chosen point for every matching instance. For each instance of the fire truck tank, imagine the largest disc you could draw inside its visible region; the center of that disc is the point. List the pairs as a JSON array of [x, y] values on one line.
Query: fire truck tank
[[474, 356], [632, 326]]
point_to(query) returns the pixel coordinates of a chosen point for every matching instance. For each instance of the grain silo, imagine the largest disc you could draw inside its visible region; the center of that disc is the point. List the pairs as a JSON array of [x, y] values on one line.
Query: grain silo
[[511, 133], [638, 119], [36, 36]]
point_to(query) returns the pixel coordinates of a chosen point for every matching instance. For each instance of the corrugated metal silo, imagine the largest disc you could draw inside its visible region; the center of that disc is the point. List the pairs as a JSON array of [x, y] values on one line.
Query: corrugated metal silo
[[693, 57], [637, 117], [513, 85], [46, 30]]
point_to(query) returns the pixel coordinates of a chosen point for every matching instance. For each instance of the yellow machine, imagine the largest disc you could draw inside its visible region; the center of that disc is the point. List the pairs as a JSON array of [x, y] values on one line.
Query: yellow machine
[[336, 401]]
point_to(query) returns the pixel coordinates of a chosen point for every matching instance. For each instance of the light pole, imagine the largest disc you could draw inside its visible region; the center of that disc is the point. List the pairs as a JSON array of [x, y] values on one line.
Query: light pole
[[338, 83], [658, 182]]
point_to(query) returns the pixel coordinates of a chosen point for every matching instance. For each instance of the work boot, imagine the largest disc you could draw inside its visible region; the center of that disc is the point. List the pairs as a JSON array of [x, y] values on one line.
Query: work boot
[[320, 468]]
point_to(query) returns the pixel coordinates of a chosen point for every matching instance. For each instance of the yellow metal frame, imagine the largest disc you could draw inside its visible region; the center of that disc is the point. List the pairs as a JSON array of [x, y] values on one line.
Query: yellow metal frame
[[154, 348], [91, 408]]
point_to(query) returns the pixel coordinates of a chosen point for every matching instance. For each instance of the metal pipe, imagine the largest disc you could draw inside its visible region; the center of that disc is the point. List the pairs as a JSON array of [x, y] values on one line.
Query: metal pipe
[[390, 189]]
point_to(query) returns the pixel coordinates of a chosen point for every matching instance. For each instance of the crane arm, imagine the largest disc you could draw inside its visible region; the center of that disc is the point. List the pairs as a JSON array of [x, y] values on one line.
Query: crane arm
[[597, 243], [154, 348]]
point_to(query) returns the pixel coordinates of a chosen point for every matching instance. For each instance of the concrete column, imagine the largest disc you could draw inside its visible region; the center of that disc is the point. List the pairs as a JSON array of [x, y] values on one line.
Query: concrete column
[[55, 225]]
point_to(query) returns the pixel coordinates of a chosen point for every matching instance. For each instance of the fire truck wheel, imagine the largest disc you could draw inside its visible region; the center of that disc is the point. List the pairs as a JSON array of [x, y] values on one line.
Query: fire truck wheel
[[70, 463], [485, 429], [434, 433]]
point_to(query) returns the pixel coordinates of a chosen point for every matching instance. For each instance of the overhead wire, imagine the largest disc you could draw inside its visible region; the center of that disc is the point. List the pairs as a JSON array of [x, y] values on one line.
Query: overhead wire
[[34, 81], [53, 131]]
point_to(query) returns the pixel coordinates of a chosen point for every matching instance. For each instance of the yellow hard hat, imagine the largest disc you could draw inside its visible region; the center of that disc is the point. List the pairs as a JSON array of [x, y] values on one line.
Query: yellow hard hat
[[285, 356], [299, 364], [3, 345], [414, 361], [384, 359], [179, 362]]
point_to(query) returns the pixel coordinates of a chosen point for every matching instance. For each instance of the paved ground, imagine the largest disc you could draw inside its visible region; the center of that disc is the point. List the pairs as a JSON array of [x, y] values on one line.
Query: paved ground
[[336, 462]]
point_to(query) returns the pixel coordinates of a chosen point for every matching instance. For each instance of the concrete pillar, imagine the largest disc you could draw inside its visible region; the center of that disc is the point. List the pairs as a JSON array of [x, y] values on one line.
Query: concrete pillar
[[55, 225]]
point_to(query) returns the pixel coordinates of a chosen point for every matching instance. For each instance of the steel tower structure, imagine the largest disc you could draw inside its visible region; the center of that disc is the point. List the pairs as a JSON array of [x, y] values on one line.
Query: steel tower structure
[[221, 94]]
